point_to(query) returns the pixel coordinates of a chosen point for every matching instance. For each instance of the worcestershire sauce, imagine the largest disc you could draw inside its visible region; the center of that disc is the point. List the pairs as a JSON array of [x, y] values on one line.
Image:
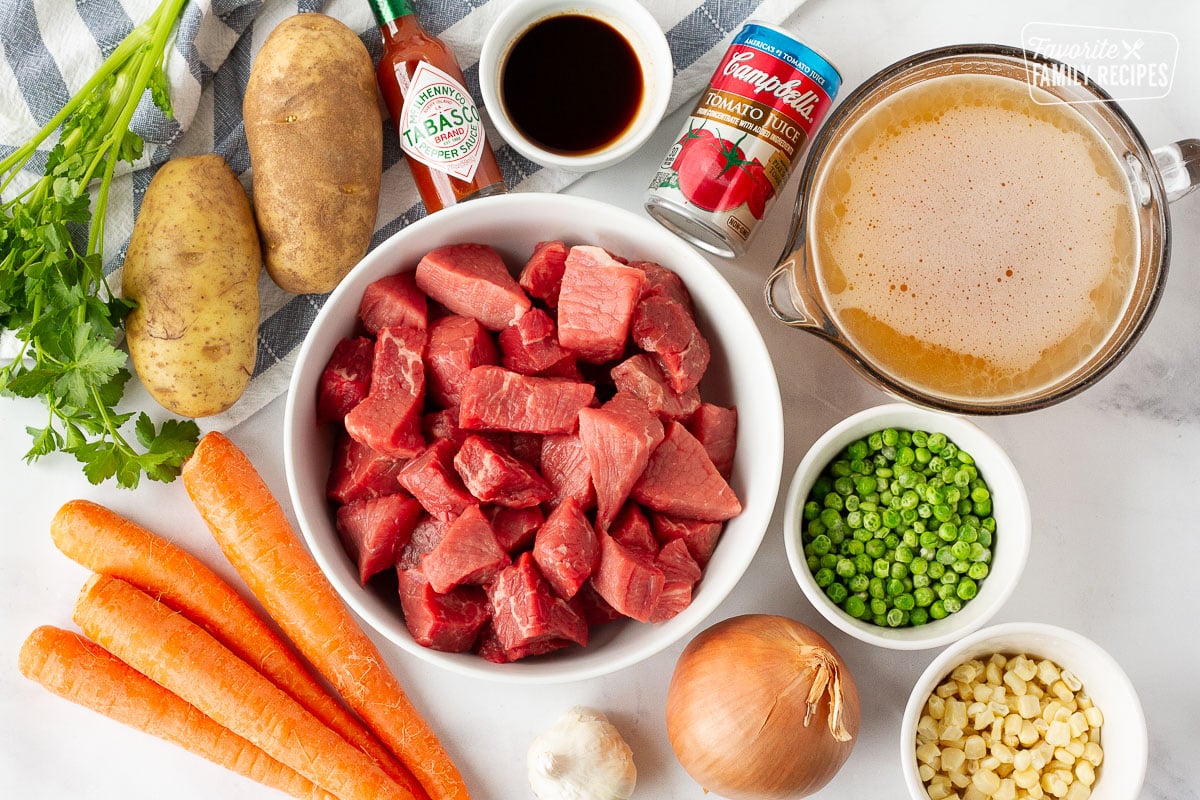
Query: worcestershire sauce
[[572, 84]]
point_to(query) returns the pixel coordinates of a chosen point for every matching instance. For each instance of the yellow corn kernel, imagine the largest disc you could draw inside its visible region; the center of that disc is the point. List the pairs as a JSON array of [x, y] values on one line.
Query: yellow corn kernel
[[992, 673], [1014, 681], [1025, 778], [1007, 790], [1063, 755], [1024, 668], [1028, 706], [936, 707], [1073, 683], [1028, 734], [1093, 716], [1093, 754], [1061, 691], [966, 672], [1058, 734], [1040, 725], [974, 706], [1075, 746], [926, 728], [1002, 752], [1037, 760], [1050, 709], [981, 693], [1035, 690], [1079, 791], [960, 779], [1047, 671], [1021, 760], [1053, 785], [1077, 723], [947, 689], [1084, 700], [990, 763], [938, 792], [929, 753], [974, 746], [1035, 792], [952, 759], [984, 719], [986, 781], [1012, 724], [956, 713], [950, 733], [971, 793], [1085, 773], [925, 772]]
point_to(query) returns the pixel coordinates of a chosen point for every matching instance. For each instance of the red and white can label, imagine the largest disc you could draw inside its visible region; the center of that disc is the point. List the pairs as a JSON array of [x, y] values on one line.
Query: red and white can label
[[749, 129]]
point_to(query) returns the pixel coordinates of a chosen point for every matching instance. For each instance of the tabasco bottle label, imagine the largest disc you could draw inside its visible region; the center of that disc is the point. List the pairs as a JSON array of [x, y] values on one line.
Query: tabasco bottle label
[[440, 124]]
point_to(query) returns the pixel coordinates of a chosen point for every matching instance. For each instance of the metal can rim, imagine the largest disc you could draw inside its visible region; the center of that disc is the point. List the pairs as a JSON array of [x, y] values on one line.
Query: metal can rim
[[771, 26]]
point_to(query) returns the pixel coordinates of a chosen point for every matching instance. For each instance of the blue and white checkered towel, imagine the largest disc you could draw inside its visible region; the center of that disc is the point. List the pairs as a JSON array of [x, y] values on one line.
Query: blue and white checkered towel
[[49, 48]]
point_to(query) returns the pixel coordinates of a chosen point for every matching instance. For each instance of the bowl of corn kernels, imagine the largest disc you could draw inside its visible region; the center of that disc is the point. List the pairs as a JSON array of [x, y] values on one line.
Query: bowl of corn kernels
[[1023, 711]]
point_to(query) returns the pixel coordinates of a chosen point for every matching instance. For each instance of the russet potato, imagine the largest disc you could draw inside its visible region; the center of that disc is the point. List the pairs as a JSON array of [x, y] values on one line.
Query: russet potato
[[315, 135], [192, 268]]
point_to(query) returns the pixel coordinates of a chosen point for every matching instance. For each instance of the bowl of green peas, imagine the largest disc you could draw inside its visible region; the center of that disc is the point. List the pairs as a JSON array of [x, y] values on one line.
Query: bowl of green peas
[[906, 527]]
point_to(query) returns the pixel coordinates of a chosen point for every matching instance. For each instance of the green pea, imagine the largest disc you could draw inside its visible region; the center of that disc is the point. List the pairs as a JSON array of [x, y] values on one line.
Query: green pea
[[918, 566], [881, 568], [936, 442], [904, 554], [891, 518], [853, 547], [855, 606], [952, 605], [851, 505], [814, 563], [918, 616], [829, 561], [823, 577], [899, 570], [844, 568], [920, 438], [905, 602], [920, 579], [858, 583], [836, 592], [816, 527], [937, 609], [875, 548], [854, 519], [863, 563], [875, 589], [960, 567], [923, 596], [833, 500], [857, 449], [977, 571], [878, 607], [844, 486], [961, 550], [840, 468], [821, 545], [895, 618], [875, 440], [966, 589]]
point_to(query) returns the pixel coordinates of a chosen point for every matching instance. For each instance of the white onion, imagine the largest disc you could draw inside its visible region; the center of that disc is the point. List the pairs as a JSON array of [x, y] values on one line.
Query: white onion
[[761, 707]]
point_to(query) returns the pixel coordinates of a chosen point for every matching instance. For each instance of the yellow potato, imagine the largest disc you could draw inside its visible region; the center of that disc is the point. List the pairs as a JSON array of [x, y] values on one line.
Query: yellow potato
[[316, 147], [192, 267]]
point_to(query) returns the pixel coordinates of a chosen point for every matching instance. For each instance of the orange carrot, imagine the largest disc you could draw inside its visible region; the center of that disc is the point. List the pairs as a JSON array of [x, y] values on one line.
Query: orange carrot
[[105, 542], [179, 656], [85, 673], [258, 540]]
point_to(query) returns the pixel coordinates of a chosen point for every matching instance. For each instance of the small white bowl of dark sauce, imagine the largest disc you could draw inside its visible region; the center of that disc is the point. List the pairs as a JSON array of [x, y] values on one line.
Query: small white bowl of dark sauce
[[575, 84]]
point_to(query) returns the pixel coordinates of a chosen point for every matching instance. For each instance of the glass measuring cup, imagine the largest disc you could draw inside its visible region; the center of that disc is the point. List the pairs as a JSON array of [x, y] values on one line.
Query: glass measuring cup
[[798, 295]]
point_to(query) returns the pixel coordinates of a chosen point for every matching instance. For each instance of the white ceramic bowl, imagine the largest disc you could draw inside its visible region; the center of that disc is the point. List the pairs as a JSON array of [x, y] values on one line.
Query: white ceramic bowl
[[741, 374], [628, 18], [1122, 734], [1010, 506]]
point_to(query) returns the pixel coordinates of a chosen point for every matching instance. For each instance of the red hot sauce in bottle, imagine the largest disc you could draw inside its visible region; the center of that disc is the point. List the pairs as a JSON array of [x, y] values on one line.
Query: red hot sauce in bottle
[[440, 128]]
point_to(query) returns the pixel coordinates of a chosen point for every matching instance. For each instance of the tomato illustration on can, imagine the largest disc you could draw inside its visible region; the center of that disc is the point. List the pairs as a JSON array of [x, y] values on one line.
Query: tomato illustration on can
[[749, 129]]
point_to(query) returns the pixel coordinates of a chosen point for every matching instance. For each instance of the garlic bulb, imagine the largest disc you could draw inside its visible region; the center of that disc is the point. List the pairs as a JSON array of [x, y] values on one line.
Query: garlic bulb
[[582, 757]]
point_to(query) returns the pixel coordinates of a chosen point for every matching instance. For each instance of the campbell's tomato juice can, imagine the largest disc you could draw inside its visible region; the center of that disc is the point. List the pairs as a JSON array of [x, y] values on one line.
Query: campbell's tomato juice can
[[750, 127]]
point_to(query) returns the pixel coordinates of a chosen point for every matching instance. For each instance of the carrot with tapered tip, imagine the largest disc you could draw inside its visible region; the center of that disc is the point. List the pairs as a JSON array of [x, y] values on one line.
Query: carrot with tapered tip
[[76, 669], [253, 531]]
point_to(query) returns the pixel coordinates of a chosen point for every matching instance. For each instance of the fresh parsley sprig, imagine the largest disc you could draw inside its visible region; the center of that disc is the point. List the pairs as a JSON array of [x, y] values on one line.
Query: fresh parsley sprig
[[54, 297]]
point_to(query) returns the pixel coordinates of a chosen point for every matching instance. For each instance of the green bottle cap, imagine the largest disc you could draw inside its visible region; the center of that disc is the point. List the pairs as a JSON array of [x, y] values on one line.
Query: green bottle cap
[[387, 10]]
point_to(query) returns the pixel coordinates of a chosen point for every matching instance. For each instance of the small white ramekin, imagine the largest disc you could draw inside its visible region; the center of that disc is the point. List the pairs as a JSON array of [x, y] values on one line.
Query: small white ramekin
[[628, 18]]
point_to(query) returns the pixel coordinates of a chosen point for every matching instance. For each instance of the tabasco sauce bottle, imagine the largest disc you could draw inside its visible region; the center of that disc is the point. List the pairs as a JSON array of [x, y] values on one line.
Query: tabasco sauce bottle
[[441, 131]]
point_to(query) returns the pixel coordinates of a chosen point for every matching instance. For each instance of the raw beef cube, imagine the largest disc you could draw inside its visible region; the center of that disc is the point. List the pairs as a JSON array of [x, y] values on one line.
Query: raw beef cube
[[531, 346], [375, 531], [425, 536], [596, 304], [345, 380], [357, 472], [681, 481], [392, 302], [491, 649], [515, 528], [662, 326], [542, 274], [525, 446], [525, 612], [631, 529], [566, 549], [449, 622], [567, 368], [456, 345], [443, 425], [715, 427], [472, 280], [627, 580], [565, 467], [493, 475], [680, 572], [468, 553], [389, 419], [430, 477], [618, 438], [700, 537], [497, 399], [642, 377], [662, 282], [594, 608]]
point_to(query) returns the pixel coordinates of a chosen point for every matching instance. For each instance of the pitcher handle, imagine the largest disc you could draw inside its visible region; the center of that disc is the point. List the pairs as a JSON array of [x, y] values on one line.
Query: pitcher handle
[[1179, 165], [784, 308]]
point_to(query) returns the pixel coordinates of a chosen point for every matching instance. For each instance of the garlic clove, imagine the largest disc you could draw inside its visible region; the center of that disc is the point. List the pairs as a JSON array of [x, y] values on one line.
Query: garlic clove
[[581, 757]]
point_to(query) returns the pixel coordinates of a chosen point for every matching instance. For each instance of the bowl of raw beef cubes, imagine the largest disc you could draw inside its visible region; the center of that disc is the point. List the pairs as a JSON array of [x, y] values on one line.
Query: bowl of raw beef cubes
[[533, 438]]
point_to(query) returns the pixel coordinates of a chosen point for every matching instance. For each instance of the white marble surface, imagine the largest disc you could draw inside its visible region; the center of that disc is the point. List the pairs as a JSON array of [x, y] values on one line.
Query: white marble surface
[[1111, 476]]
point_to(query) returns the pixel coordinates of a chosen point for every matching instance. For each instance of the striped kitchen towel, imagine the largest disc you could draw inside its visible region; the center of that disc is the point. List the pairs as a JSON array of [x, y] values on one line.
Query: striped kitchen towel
[[49, 48]]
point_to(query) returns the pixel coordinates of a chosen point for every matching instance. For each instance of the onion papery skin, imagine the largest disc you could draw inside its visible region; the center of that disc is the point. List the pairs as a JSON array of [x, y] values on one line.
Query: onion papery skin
[[737, 703]]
